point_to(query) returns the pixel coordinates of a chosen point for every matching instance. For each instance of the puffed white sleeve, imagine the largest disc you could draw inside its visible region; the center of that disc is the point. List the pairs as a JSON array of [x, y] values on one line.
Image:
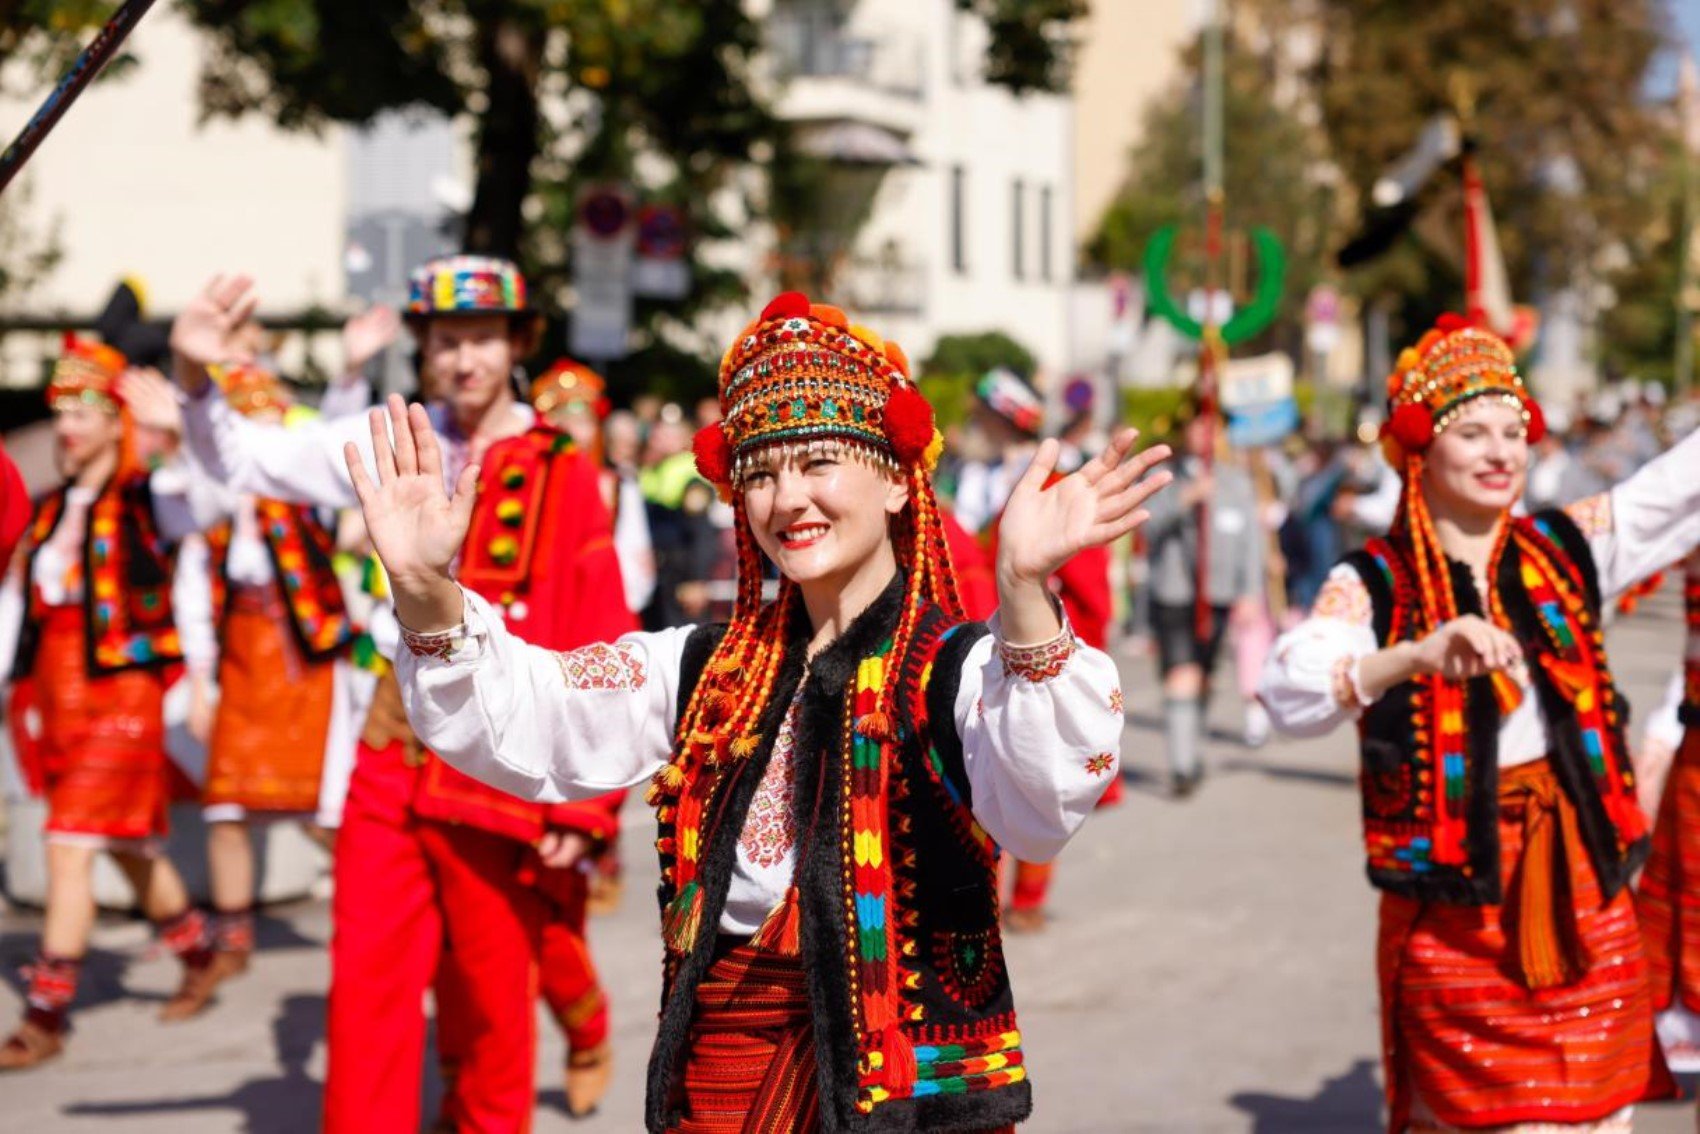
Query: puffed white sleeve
[[1041, 734], [1309, 683], [1646, 523], [192, 606], [541, 724], [302, 463]]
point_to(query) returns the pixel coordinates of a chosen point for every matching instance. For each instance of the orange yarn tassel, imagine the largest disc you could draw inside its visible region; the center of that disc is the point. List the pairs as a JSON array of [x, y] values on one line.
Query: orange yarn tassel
[[876, 726], [897, 1056], [745, 746], [1506, 692], [781, 933]]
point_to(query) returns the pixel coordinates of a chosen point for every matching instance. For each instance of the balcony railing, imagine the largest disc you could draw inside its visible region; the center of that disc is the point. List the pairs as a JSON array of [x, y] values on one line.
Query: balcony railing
[[811, 43]]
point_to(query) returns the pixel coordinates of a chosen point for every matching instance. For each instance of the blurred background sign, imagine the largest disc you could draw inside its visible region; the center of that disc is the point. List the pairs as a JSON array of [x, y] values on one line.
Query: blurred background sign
[[603, 242]]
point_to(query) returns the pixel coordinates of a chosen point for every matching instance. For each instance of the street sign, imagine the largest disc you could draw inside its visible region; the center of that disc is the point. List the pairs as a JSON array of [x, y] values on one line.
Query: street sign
[[603, 240]]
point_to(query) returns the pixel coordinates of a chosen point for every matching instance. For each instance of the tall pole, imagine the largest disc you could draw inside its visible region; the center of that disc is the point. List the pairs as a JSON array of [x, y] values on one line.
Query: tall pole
[[1211, 349], [1684, 368], [90, 63]]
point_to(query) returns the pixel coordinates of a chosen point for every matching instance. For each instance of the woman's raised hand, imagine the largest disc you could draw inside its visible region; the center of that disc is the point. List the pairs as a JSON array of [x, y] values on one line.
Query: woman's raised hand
[[151, 400], [1043, 528], [415, 525], [1467, 647]]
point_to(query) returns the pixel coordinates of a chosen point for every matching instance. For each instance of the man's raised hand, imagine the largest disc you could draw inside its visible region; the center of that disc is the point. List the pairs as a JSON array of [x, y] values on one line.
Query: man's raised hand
[[416, 526]]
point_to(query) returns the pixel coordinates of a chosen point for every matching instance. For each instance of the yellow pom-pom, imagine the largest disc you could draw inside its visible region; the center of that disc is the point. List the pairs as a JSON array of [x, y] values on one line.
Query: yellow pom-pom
[[868, 336], [1408, 359], [934, 450]]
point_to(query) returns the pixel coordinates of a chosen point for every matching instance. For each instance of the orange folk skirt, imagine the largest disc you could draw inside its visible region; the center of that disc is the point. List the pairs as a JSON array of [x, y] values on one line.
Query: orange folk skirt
[[1668, 900], [103, 756], [274, 711], [1532, 1011]]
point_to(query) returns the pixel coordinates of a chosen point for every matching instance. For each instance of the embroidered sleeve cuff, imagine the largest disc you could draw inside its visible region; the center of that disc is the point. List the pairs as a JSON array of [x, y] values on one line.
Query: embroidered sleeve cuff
[[440, 644], [1348, 690], [1037, 663]]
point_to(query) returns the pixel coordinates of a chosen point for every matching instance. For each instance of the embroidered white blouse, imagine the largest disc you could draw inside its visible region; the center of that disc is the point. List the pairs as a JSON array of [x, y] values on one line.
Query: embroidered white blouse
[[1039, 748], [1646, 523]]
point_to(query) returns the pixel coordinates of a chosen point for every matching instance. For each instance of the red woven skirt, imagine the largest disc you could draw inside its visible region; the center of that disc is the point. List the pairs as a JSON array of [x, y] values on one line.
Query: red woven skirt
[[750, 1067], [1532, 1011], [1668, 901], [274, 709], [102, 740], [751, 1063]]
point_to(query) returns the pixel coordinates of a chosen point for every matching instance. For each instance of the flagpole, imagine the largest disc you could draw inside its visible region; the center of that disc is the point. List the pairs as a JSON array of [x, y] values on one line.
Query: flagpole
[[1211, 349], [1683, 373], [90, 63]]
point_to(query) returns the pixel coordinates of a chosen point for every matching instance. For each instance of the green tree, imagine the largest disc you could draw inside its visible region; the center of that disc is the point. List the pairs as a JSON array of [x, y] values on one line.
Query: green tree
[[948, 375], [563, 93], [1273, 176], [1550, 92]]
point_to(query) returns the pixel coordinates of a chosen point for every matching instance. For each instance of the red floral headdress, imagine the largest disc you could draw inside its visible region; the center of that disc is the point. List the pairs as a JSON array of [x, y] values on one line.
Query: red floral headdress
[[798, 374]]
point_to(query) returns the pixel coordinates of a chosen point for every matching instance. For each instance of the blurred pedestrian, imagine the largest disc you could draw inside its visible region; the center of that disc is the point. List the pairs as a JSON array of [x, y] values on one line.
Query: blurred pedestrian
[[1189, 633]]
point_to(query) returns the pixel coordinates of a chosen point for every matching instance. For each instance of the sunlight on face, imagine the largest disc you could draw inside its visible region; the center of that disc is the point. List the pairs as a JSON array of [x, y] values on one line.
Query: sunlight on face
[[820, 511], [469, 361], [1477, 464], [81, 433]]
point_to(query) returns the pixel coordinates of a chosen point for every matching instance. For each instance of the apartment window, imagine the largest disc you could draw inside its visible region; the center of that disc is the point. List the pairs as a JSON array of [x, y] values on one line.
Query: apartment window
[[1017, 234], [1045, 234], [958, 219]]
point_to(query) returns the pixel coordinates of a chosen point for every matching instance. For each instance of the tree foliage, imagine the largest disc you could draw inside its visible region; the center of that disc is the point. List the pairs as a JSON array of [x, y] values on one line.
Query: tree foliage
[[1032, 45], [1274, 174], [1551, 93]]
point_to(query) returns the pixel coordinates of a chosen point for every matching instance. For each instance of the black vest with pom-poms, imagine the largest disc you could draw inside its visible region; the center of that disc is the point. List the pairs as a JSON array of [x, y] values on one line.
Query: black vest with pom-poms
[[1430, 747], [897, 917]]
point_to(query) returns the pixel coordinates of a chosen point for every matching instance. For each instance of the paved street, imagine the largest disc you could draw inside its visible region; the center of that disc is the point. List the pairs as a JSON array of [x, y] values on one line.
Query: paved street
[[1209, 969]]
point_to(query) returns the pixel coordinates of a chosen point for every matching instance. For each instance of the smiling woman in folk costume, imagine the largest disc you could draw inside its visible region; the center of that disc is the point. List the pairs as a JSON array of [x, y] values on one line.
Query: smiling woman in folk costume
[[438, 877], [832, 771], [87, 618], [1500, 817]]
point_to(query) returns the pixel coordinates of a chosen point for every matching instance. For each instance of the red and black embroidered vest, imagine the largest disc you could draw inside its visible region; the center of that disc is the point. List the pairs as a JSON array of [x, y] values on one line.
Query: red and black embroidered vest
[[126, 580], [1689, 711], [300, 549], [1429, 772], [915, 1023]]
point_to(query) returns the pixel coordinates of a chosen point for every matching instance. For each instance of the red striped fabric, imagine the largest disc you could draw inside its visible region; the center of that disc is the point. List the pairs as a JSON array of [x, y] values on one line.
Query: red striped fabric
[[1463, 1032], [1668, 902]]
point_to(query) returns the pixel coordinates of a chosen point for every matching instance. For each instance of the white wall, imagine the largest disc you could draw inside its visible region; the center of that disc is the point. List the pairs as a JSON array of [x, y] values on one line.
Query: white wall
[[138, 187], [995, 138]]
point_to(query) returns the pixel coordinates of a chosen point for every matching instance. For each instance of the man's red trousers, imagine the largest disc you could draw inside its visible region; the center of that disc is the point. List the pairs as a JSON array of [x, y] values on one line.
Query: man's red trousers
[[406, 889]]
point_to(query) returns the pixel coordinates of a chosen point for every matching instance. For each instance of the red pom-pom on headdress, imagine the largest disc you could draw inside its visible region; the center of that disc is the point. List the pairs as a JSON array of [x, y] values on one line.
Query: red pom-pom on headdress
[[1452, 321], [1537, 421], [1412, 425], [908, 424], [714, 455], [786, 305]]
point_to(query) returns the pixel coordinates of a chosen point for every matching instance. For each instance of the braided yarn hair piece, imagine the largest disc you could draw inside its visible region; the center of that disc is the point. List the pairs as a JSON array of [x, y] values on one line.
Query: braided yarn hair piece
[[799, 375]]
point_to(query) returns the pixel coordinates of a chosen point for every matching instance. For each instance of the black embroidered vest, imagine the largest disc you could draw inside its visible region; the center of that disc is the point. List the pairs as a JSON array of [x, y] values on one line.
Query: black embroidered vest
[[1397, 775], [126, 581], [951, 987], [300, 550]]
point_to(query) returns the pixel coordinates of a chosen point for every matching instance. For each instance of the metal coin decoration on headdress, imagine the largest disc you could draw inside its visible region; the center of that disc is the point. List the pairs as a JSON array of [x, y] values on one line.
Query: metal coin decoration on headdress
[[801, 373], [570, 382], [1453, 365], [86, 374], [252, 391]]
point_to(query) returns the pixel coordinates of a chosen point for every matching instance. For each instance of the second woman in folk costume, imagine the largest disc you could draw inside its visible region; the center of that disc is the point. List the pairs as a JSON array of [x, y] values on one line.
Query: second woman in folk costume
[[281, 626], [832, 771], [88, 618], [1500, 814]]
